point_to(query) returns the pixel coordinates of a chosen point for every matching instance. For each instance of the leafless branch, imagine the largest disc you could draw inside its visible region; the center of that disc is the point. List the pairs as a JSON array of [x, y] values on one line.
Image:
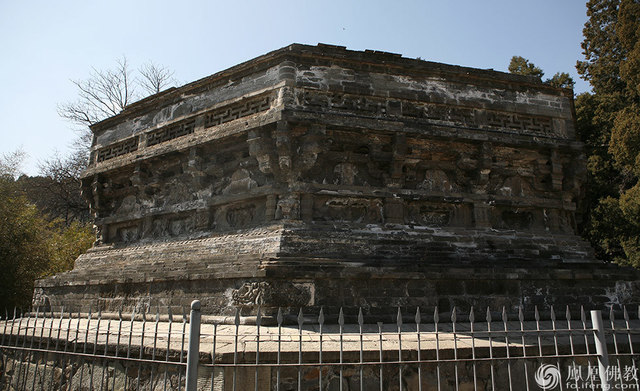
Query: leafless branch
[[10, 163], [107, 92], [57, 190], [155, 78]]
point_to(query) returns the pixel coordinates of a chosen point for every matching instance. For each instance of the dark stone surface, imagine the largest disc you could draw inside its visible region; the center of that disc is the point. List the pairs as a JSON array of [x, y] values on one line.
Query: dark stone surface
[[318, 176]]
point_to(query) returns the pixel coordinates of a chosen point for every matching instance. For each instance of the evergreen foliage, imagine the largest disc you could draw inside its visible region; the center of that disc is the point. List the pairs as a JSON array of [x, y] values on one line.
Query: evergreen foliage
[[608, 122]]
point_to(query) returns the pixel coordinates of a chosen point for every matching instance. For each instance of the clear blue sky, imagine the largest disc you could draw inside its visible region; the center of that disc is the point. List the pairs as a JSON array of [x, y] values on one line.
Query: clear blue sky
[[45, 44]]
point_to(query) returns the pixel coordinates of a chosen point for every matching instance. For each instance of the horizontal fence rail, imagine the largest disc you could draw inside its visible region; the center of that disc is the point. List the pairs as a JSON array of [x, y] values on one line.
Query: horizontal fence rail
[[475, 350]]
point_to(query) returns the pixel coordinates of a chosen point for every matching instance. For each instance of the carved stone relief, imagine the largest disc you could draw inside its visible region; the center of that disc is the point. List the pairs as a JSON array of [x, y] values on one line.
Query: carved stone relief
[[242, 216], [129, 205], [160, 229], [288, 207], [515, 186], [250, 293], [517, 219], [286, 153], [345, 174], [357, 210], [437, 180], [428, 214], [124, 233], [174, 193], [241, 181], [236, 216], [181, 226], [523, 219], [41, 300]]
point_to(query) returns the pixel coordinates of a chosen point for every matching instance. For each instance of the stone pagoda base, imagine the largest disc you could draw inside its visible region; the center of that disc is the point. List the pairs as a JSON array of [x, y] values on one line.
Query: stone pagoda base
[[290, 266]]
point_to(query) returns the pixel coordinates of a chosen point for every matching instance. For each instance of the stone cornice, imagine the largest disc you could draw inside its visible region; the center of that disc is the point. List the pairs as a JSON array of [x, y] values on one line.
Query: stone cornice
[[360, 60]]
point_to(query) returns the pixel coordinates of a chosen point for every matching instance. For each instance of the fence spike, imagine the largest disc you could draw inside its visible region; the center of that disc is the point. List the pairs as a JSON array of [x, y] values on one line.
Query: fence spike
[[520, 314], [157, 314], [236, 320], [341, 317], [553, 315], [169, 313], [625, 314], [360, 317], [418, 318], [279, 317], [120, 313], [504, 315], [300, 317], [436, 316], [472, 316], [611, 315], [399, 318], [259, 316], [321, 316], [454, 316], [536, 314], [6, 322], [568, 314], [488, 315], [583, 316]]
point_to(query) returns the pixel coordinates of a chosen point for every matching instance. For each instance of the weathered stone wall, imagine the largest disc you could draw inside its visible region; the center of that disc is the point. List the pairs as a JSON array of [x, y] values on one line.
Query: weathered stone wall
[[378, 288], [312, 169], [308, 121]]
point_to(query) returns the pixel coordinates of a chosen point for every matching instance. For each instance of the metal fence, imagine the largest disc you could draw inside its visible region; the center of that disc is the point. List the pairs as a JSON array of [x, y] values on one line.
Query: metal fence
[[68, 351], [470, 351]]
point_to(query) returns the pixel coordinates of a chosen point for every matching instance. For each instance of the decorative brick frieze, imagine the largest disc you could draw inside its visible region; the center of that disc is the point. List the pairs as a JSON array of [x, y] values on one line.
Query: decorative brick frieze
[[170, 132], [237, 110], [118, 149]]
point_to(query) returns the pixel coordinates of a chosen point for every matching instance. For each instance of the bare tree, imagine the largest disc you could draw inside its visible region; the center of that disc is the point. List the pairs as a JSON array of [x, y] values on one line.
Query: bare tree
[[155, 78], [107, 92], [57, 190], [104, 94], [10, 163]]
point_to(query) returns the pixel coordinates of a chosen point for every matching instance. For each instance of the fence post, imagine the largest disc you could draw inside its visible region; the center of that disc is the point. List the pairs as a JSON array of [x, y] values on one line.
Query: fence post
[[193, 354], [601, 347]]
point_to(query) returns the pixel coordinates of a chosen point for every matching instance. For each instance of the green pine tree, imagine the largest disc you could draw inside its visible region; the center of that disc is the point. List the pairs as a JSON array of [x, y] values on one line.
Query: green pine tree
[[608, 122]]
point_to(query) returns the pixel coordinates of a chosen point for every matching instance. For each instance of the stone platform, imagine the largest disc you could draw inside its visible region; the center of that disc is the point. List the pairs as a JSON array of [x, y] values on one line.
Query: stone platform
[[293, 266]]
